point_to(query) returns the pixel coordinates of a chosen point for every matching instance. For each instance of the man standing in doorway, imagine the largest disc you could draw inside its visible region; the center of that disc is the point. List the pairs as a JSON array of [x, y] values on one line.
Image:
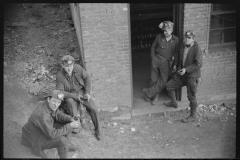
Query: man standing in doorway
[[189, 73], [164, 48], [75, 83]]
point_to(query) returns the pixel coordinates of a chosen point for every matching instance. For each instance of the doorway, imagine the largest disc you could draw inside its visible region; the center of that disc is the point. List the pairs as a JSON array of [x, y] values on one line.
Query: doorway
[[145, 19]]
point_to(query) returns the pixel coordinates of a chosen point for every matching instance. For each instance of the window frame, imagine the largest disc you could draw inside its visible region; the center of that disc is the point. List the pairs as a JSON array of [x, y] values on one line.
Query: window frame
[[212, 46]]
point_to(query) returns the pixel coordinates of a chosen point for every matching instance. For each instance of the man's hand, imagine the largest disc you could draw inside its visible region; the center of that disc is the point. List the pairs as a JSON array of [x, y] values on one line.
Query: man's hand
[[174, 69], [199, 80], [87, 96], [79, 97], [182, 71], [75, 118], [75, 124]]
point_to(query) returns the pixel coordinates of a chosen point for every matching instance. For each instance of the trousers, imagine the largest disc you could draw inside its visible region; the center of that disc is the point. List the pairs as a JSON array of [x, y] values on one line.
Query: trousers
[[72, 109], [160, 71], [61, 143], [179, 81]]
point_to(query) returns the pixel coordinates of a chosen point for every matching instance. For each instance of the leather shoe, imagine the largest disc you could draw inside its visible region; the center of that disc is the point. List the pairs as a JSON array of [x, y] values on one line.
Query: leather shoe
[[98, 136], [154, 101], [145, 96], [189, 119], [171, 104]]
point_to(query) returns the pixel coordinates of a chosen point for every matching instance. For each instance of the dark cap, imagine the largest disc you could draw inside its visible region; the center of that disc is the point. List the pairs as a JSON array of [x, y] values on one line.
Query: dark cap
[[189, 34], [56, 94], [166, 25], [67, 60]]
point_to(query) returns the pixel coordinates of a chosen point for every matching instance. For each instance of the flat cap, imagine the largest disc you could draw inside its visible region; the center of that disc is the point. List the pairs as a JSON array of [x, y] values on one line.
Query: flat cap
[[67, 60], [166, 25], [189, 34], [56, 94]]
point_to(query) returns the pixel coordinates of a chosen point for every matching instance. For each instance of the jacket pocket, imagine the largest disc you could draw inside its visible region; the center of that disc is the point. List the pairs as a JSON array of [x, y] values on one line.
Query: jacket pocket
[[161, 45], [79, 79]]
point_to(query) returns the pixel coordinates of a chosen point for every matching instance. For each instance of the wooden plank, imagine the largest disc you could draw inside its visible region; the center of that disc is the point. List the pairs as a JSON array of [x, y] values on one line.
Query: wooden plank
[[77, 24]]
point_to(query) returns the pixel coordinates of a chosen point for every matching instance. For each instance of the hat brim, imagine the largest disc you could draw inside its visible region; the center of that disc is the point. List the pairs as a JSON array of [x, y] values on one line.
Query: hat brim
[[65, 63]]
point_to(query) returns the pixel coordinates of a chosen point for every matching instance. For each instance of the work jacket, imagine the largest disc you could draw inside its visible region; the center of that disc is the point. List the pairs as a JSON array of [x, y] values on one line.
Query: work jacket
[[81, 80], [193, 61], [164, 48], [39, 127]]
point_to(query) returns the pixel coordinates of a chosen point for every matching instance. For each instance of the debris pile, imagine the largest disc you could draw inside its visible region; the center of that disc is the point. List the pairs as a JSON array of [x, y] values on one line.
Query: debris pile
[[214, 108], [35, 45]]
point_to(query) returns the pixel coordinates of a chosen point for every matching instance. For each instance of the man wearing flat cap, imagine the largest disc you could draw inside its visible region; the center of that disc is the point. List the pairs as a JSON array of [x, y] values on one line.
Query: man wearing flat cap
[[75, 83], [47, 128], [188, 74], [164, 49]]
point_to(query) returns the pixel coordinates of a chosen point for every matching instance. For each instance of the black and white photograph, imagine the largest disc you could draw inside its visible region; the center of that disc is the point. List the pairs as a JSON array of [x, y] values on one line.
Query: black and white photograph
[[120, 80]]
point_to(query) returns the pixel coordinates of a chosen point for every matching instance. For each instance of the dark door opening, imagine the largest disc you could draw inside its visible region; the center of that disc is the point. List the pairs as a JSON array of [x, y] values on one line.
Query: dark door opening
[[145, 19]]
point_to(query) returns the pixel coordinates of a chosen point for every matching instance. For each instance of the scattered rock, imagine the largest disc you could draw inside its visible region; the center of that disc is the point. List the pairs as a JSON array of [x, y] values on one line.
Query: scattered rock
[[227, 106], [115, 109], [32, 20], [48, 52], [71, 49], [74, 155], [133, 129], [170, 122], [165, 114], [122, 131]]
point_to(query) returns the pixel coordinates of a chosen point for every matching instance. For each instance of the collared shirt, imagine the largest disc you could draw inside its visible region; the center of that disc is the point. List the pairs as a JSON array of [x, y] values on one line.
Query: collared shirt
[[74, 86], [165, 48], [185, 52]]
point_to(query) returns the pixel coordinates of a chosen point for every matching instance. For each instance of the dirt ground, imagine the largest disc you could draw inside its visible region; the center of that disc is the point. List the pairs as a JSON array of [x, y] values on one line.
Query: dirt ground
[[162, 135]]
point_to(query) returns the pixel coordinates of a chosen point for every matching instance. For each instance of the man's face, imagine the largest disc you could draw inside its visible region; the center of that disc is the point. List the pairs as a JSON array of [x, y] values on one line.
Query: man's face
[[54, 103], [167, 32], [68, 68], [188, 40]]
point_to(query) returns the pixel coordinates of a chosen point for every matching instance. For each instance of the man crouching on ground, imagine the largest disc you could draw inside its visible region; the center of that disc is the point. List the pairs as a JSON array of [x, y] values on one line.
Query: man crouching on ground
[[189, 73], [49, 128], [75, 83]]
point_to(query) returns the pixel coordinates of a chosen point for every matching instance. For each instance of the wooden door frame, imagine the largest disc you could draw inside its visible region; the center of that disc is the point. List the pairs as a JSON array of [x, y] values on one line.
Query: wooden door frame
[[178, 31], [77, 24]]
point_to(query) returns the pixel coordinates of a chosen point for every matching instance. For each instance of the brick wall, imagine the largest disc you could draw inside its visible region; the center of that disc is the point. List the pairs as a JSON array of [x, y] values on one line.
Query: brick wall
[[219, 65], [107, 53]]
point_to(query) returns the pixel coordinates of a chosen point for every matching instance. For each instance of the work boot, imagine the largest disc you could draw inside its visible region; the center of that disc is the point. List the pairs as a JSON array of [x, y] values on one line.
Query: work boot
[[145, 96], [192, 117], [63, 155], [98, 136], [154, 101], [171, 104]]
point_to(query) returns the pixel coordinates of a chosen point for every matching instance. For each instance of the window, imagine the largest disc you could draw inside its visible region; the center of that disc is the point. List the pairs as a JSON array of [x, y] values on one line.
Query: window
[[223, 24]]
